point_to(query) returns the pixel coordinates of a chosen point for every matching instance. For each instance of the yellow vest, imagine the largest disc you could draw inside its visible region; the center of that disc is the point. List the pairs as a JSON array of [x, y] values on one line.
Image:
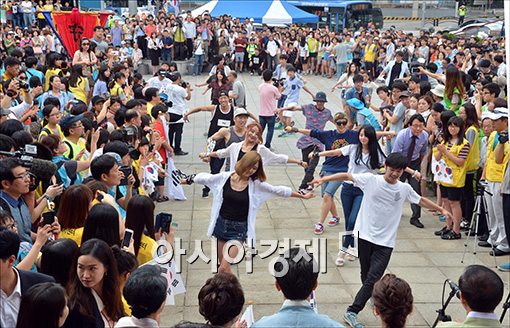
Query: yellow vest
[[79, 90], [147, 249], [495, 172], [370, 52], [474, 152], [458, 172], [73, 234]]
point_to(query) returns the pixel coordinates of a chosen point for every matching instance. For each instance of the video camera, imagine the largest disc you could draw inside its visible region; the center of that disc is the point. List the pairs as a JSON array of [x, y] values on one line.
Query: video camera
[[40, 169], [278, 82]]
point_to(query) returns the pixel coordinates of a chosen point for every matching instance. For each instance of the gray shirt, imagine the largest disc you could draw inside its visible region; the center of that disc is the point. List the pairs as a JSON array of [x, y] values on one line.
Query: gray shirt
[[505, 186], [190, 31], [399, 111], [239, 90], [101, 45], [341, 52]]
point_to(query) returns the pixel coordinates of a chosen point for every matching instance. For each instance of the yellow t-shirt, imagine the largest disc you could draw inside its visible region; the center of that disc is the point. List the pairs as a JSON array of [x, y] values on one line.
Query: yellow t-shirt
[[495, 172], [81, 89], [126, 307], [148, 247], [49, 73], [77, 147], [149, 108], [73, 234], [44, 132]]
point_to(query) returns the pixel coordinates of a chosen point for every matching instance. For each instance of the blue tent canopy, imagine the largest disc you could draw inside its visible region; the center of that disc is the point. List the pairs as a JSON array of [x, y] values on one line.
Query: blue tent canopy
[[262, 11]]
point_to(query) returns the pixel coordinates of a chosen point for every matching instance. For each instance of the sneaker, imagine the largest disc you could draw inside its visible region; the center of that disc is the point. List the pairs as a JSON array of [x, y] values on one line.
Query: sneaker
[[205, 193], [333, 221], [442, 231], [352, 320], [504, 267], [451, 235], [278, 126], [319, 229], [282, 135], [306, 190], [464, 225], [442, 218]]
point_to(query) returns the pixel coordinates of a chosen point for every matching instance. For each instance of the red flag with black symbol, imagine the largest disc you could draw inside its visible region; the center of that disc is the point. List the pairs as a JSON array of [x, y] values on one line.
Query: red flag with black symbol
[[74, 25]]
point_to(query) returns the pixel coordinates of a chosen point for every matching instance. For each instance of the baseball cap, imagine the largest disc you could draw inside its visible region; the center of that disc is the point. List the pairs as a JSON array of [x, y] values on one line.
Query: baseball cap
[[223, 94], [497, 113], [240, 111], [97, 99], [320, 96], [355, 103], [69, 120], [405, 94]]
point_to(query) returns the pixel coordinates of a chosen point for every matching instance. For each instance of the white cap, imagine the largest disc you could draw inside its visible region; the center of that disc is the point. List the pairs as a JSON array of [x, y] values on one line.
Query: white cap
[[240, 111], [438, 90], [497, 113]]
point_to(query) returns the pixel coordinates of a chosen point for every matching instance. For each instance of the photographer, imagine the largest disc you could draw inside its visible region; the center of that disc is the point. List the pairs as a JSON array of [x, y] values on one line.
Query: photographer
[[178, 93], [15, 181], [160, 81], [10, 100]]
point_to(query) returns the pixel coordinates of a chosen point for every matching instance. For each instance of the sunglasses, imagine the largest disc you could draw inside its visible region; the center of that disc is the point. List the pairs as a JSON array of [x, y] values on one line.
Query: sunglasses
[[341, 122]]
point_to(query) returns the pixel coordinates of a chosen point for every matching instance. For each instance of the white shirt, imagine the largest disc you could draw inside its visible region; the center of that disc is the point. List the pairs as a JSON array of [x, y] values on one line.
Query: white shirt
[[501, 69], [177, 94], [272, 48], [381, 208], [131, 322], [364, 163], [26, 6], [161, 85], [10, 305]]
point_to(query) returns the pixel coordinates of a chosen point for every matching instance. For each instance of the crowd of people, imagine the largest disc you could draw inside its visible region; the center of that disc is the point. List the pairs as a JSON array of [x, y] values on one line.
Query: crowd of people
[[86, 142]]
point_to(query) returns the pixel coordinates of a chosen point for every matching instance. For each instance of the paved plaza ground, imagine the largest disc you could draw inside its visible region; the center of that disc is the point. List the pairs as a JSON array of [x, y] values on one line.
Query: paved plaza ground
[[420, 258]]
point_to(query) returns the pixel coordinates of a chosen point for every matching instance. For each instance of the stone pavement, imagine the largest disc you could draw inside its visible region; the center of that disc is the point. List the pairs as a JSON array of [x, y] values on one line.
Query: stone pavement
[[420, 258]]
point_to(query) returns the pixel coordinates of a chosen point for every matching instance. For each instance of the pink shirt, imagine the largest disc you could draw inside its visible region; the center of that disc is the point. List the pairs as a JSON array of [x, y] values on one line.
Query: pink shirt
[[268, 96]]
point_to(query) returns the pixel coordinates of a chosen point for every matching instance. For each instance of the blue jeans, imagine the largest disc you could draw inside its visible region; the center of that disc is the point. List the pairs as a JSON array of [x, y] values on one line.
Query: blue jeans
[[340, 69], [166, 55], [351, 198], [27, 20], [199, 64], [17, 19], [269, 120]]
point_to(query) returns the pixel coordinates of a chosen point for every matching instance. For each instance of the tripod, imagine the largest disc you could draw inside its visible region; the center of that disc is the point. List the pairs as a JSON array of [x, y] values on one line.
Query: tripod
[[481, 208], [506, 306]]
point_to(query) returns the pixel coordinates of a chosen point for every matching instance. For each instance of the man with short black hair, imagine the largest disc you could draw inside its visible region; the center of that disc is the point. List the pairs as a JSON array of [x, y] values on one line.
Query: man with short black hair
[[377, 223], [481, 290], [179, 93], [296, 285], [14, 283], [145, 292]]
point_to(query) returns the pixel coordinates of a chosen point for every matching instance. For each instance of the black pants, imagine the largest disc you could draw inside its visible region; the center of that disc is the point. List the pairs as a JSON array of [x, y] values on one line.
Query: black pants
[[370, 69], [180, 50], [415, 184], [189, 46], [468, 197], [373, 260], [175, 132], [215, 164], [312, 164], [142, 44], [506, 213]]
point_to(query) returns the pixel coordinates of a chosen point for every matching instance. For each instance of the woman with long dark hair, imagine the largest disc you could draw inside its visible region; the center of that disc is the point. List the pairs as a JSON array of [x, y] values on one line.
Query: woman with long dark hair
[[469, 115], [54, 68], [43, 306], [454, 150], [140, 219], [57, 259], [85, 56], [103, 222], [73, 211], [94, 295], [218, 85], [237, 196], [365, 157], [79, 84]]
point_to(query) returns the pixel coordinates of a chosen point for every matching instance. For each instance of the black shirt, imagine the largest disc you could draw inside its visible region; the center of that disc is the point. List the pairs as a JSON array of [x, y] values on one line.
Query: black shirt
[[235, 204], [395, 72]]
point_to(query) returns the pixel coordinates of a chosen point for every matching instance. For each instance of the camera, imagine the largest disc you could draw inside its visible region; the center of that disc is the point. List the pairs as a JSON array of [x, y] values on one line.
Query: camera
[[23, 85], [278, 82], [26, 155]]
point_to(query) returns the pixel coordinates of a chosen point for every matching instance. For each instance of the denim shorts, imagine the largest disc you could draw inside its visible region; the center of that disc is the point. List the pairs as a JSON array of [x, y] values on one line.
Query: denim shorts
[[230, 230], [329, 187]]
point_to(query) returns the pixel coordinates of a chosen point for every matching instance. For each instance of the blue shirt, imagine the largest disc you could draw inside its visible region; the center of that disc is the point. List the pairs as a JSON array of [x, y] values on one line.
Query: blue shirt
[[33, 72], [21, 215], [403, 141], [292, 88], [334, 140]]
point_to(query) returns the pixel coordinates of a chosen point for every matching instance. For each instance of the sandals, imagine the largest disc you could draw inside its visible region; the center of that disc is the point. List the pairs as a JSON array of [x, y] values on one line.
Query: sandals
[[162, 199]]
